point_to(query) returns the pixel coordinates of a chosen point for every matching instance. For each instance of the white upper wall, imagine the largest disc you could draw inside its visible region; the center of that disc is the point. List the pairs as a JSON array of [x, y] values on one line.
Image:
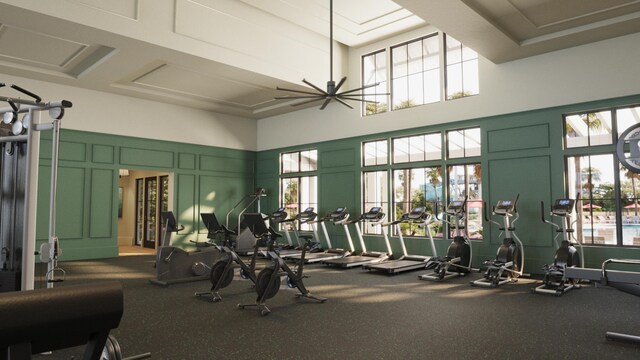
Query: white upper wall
[[108, 113], [601, 70]]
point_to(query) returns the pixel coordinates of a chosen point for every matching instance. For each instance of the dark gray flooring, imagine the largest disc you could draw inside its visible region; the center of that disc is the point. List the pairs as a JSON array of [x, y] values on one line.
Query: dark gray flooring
[[367, 316]]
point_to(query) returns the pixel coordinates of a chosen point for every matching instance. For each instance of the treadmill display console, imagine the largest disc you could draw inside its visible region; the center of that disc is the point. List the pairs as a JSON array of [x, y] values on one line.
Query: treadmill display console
[[417, 213], [375, 213], [563, 206], [338, 214], [278, 215], [307, 215]]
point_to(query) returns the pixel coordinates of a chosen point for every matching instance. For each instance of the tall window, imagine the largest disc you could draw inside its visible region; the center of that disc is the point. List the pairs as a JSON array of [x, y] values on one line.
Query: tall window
[[466, 181], [416, 187], [298, 183], [463, 143], [374, 153], [588, 129], [374, 71], [461, 69], [375, 193], [608, 212], [416, 72], [417, 148]]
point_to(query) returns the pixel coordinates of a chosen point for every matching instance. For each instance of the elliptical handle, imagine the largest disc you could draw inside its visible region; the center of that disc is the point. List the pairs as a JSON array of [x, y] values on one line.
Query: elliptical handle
[[484, 211], [576, 202], [515, 204], [542, 212]]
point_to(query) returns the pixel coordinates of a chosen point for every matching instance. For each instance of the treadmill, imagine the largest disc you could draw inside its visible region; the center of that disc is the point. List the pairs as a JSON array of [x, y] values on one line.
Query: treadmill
[[373, 216], [338, 217], [407, 262], [305, 217]]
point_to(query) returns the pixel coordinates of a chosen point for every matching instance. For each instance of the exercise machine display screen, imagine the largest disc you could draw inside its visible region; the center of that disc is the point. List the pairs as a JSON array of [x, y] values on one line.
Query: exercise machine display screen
[[505, 206], [563, 206], [455, 207], [417, 213], [307, 215], [374, 214], [278, 215], [338, 214]]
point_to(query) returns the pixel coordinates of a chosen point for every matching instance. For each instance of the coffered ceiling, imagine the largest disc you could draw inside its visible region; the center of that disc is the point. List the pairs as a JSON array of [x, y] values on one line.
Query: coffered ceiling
[[228, 56]]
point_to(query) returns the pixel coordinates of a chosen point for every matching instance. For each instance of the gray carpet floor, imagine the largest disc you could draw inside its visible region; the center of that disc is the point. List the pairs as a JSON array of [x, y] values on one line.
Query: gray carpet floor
[[367, 316]]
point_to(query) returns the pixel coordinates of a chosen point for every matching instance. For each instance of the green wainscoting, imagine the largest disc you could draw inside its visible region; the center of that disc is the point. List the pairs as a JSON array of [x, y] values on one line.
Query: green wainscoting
[[522, 153], [205, 179]]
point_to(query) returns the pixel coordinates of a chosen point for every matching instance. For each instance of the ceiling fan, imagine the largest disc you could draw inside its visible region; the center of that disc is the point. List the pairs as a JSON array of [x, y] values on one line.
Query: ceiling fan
[[332, 89]]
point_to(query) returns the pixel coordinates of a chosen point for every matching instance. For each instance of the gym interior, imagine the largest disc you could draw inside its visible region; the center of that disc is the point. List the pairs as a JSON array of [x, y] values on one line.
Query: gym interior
[[163, 164]]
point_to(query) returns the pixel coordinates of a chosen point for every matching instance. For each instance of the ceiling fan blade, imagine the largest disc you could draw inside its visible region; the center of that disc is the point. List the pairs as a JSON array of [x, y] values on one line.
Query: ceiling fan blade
[[307, 102], [361, 100], [315, 87], [319, 96], [358, 89], [298, 91], [325, 103], [344, 103], [340, 83]]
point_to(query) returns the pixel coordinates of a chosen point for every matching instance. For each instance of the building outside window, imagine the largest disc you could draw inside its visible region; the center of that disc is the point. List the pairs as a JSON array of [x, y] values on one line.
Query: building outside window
[[374, 71], [415, 72], [465, 181], [298, 182], [608, 212], [462, 78]]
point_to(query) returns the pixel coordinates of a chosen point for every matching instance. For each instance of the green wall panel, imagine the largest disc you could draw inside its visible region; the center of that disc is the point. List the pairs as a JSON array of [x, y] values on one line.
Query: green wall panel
[[528, 177], [220, 194], [185, 202], [337, 158], [519, 138], [224, 164], [69, 208], [101, 209], [103, 154], [146, 158], [68, 150], [187, 161]]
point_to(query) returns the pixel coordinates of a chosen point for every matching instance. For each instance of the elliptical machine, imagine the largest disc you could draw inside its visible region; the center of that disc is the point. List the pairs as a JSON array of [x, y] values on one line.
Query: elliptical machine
[[268, 279], [222, 272], [509, 262], [457, 262], [567, 255]]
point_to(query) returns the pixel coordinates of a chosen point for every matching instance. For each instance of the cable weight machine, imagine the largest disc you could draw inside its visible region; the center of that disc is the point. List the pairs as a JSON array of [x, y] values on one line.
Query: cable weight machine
[[19, 158]]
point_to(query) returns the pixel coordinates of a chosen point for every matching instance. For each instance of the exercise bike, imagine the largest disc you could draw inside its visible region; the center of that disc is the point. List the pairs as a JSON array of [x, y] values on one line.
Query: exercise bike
[[567, 254], [222, 272], [509, 262], [268, 280], [175, 265], [457, 262]]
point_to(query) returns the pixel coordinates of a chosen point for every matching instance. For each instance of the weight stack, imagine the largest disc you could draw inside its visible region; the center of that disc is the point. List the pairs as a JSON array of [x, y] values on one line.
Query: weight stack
[[10, 280]]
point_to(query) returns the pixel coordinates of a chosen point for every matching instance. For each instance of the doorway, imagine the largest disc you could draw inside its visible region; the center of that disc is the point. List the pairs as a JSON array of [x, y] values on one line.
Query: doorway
[[144, 194]]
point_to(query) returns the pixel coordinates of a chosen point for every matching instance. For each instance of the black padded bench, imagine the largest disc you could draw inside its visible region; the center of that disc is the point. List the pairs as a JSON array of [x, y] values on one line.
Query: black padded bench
[[36, 321]]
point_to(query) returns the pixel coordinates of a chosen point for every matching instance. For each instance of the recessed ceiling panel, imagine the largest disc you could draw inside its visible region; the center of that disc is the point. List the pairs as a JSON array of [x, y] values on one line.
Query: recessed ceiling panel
[[125, 8], [33, 48], [355, 21], [191, 83], [543, 13]]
